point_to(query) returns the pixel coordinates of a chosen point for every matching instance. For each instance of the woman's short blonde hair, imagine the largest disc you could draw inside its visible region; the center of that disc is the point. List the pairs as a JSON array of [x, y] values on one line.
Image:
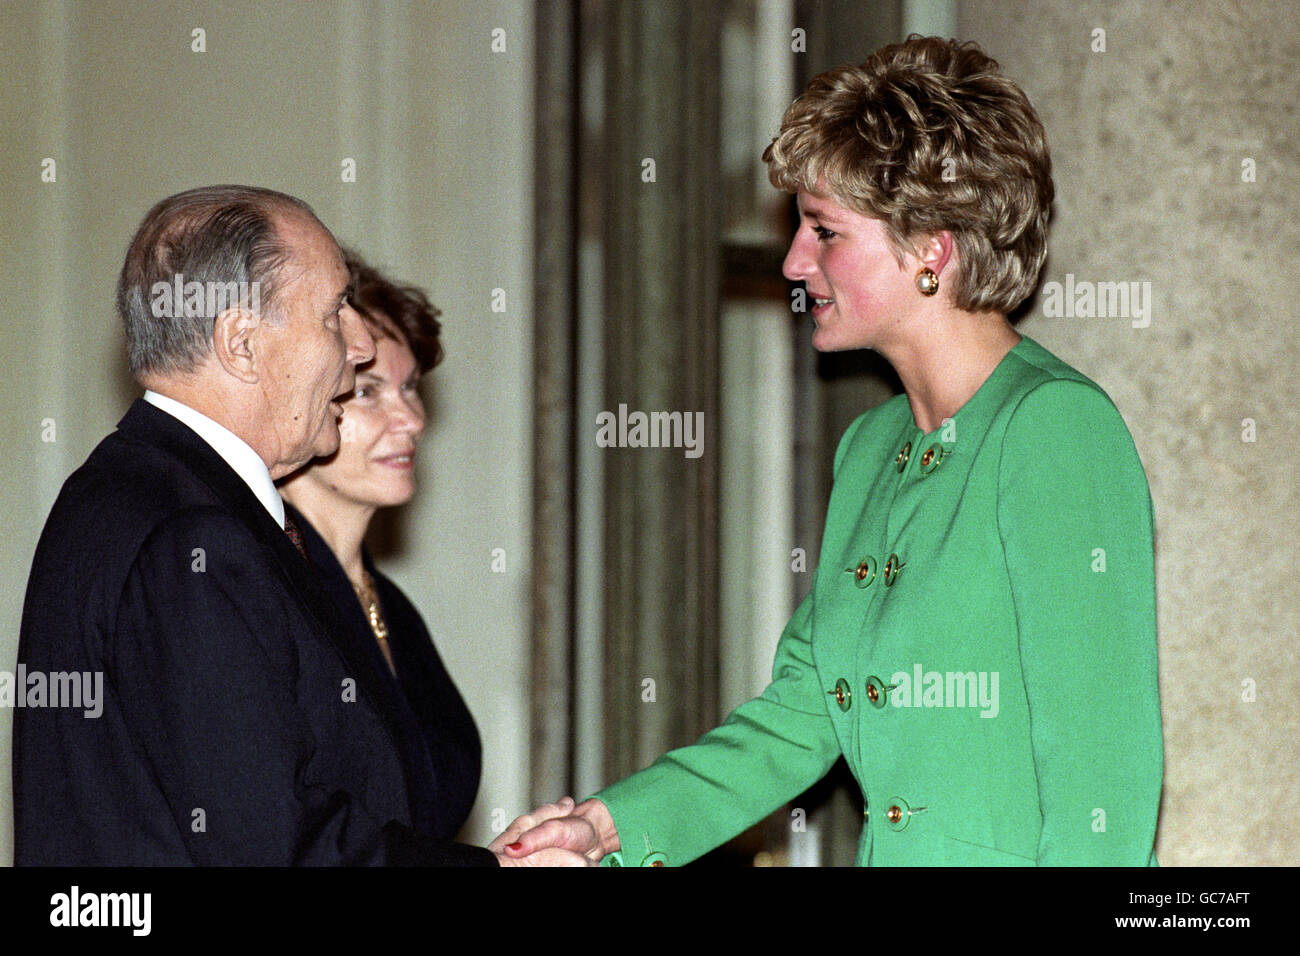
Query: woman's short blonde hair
[[928, 135]]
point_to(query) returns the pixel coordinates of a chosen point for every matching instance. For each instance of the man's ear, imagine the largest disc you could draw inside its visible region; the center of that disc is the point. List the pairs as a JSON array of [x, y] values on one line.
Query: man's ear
[[235, 339], [935, 251]]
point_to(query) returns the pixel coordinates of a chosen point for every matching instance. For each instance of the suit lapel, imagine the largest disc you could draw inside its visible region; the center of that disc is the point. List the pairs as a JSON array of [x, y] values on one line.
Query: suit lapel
[[146, 423]]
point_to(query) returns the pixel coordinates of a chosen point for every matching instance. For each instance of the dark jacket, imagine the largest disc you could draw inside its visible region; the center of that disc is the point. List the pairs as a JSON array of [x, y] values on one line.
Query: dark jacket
[[238, 723], [438, 739]]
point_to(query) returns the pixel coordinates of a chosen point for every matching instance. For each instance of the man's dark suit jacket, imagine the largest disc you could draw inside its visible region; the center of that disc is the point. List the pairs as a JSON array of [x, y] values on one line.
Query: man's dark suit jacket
[[239, 725]]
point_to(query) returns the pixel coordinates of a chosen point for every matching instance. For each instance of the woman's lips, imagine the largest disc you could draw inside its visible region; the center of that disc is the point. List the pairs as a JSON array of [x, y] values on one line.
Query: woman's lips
[[400, 462]]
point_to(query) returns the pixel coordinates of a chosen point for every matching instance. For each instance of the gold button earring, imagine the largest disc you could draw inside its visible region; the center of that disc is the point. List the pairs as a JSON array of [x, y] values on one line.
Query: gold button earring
[[927, 283]]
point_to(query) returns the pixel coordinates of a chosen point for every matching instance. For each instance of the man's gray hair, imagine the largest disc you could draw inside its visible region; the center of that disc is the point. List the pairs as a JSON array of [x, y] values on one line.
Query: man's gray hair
[[222, 237]]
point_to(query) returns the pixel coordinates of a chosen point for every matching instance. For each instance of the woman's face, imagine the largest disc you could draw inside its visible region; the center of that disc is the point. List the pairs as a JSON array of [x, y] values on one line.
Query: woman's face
[[858, 292], [382, 420]]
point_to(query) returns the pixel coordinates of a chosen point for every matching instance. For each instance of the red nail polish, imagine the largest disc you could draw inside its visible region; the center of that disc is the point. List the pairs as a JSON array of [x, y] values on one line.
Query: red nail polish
[[515, 846]]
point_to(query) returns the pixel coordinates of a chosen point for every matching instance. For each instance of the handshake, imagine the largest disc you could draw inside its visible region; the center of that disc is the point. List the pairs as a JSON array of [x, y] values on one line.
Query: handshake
[[558, 834]]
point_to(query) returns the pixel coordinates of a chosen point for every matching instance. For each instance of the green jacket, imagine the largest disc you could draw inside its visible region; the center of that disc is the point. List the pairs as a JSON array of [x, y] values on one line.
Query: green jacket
[[979, 643]]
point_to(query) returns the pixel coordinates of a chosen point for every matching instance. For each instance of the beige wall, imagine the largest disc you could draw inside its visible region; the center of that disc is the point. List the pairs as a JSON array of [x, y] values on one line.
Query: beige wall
[[1148, 140], [440, 128]]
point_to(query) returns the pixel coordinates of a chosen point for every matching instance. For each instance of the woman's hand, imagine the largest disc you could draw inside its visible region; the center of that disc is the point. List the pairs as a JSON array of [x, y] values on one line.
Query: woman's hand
[[553, 836], [545, 856]]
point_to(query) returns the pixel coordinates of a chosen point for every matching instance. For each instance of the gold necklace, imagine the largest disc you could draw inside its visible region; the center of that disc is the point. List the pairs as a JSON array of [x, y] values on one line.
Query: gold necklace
[[370, 601]]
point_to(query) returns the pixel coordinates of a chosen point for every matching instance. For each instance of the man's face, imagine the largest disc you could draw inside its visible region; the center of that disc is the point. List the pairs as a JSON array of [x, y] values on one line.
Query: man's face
[[309, 359]]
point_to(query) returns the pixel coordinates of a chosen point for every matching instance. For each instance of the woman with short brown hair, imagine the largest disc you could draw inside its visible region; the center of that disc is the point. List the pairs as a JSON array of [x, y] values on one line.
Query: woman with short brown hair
[[980, 640]]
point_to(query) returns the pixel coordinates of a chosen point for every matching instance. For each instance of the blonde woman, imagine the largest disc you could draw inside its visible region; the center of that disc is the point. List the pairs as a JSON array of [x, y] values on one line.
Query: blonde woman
[[990, 683]]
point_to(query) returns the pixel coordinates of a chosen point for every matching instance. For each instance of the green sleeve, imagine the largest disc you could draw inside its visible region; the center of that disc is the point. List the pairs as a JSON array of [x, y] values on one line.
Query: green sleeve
[[768, 750], [1074, 517]]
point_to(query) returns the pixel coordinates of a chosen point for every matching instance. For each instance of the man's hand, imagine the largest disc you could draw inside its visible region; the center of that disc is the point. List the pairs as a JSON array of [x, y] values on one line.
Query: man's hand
[[536, 838]]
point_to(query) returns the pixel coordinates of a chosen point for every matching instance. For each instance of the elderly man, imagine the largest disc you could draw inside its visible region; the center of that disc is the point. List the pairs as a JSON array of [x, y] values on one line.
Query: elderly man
[[235, 725]]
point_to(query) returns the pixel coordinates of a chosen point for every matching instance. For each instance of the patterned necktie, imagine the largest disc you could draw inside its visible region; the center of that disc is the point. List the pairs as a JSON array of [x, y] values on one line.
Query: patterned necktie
[[294, 531]]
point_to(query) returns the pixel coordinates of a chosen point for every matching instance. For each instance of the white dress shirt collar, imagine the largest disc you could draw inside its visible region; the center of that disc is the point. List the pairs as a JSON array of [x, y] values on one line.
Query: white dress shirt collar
[[233, 449]]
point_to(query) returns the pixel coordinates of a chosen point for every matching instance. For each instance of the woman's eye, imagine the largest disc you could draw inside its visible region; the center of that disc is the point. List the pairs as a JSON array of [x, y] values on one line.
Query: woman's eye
[[361, 391], [823, 233]]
